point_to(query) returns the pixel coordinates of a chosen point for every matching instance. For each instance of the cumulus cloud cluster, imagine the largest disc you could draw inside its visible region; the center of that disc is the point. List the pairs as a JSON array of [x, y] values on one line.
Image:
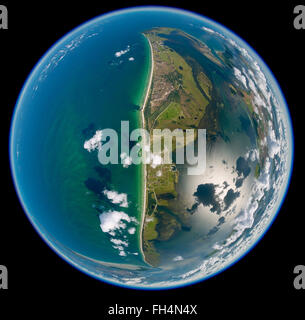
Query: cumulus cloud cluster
[[126, 160], [252, 155], [118, 56], [255, 80], [245, 218], [242, 50], [111, 221], [120, 245], [122, 52], [114, 223], [274, 146], [212, 32], [95, 142], [117, 198], [238, 74], [154, 159]]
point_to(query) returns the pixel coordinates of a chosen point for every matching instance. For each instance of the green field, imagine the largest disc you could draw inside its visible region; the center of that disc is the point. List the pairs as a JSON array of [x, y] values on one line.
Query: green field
[[173, 111], [150, 232]]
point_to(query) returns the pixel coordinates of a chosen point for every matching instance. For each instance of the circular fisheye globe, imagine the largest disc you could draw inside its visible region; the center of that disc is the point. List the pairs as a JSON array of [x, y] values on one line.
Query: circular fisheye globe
[[151, 148]]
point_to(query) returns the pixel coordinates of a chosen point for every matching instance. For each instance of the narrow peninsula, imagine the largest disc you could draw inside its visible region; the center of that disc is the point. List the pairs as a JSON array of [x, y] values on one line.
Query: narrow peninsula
[[178, 94]]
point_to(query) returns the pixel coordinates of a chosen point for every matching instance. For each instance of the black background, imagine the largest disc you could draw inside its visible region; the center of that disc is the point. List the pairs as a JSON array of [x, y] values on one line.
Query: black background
[[263, 278]]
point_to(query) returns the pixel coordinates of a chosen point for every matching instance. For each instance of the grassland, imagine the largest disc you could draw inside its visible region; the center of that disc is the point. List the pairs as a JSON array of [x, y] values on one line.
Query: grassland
[[172, 112], [150, 232]]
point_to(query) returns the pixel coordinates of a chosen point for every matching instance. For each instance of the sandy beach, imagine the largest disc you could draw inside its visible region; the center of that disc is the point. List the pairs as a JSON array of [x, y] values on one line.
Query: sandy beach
[[144, 166]]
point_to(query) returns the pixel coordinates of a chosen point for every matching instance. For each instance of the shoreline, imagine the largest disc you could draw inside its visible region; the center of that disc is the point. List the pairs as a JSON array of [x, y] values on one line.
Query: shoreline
[[109, 264], [144, 165]]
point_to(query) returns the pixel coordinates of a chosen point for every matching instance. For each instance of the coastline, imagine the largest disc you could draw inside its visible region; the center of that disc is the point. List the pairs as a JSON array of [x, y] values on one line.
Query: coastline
[[110, 264], [144, 165]]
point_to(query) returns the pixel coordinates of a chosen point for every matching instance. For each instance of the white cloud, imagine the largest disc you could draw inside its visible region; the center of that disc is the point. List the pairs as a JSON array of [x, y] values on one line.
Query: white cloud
[[132, 230], [94, 142], [122, 52], [131, 59], [178, 258], [213, 32], [126, 160], [233, 43], [245, 53], [208, 30], [119, 242], [120, 245], [154, 160], [245, 218], [238, 74], [253, 155], [111, 221], [273, 145], [93, 35], [117, 198], [259, 87]]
